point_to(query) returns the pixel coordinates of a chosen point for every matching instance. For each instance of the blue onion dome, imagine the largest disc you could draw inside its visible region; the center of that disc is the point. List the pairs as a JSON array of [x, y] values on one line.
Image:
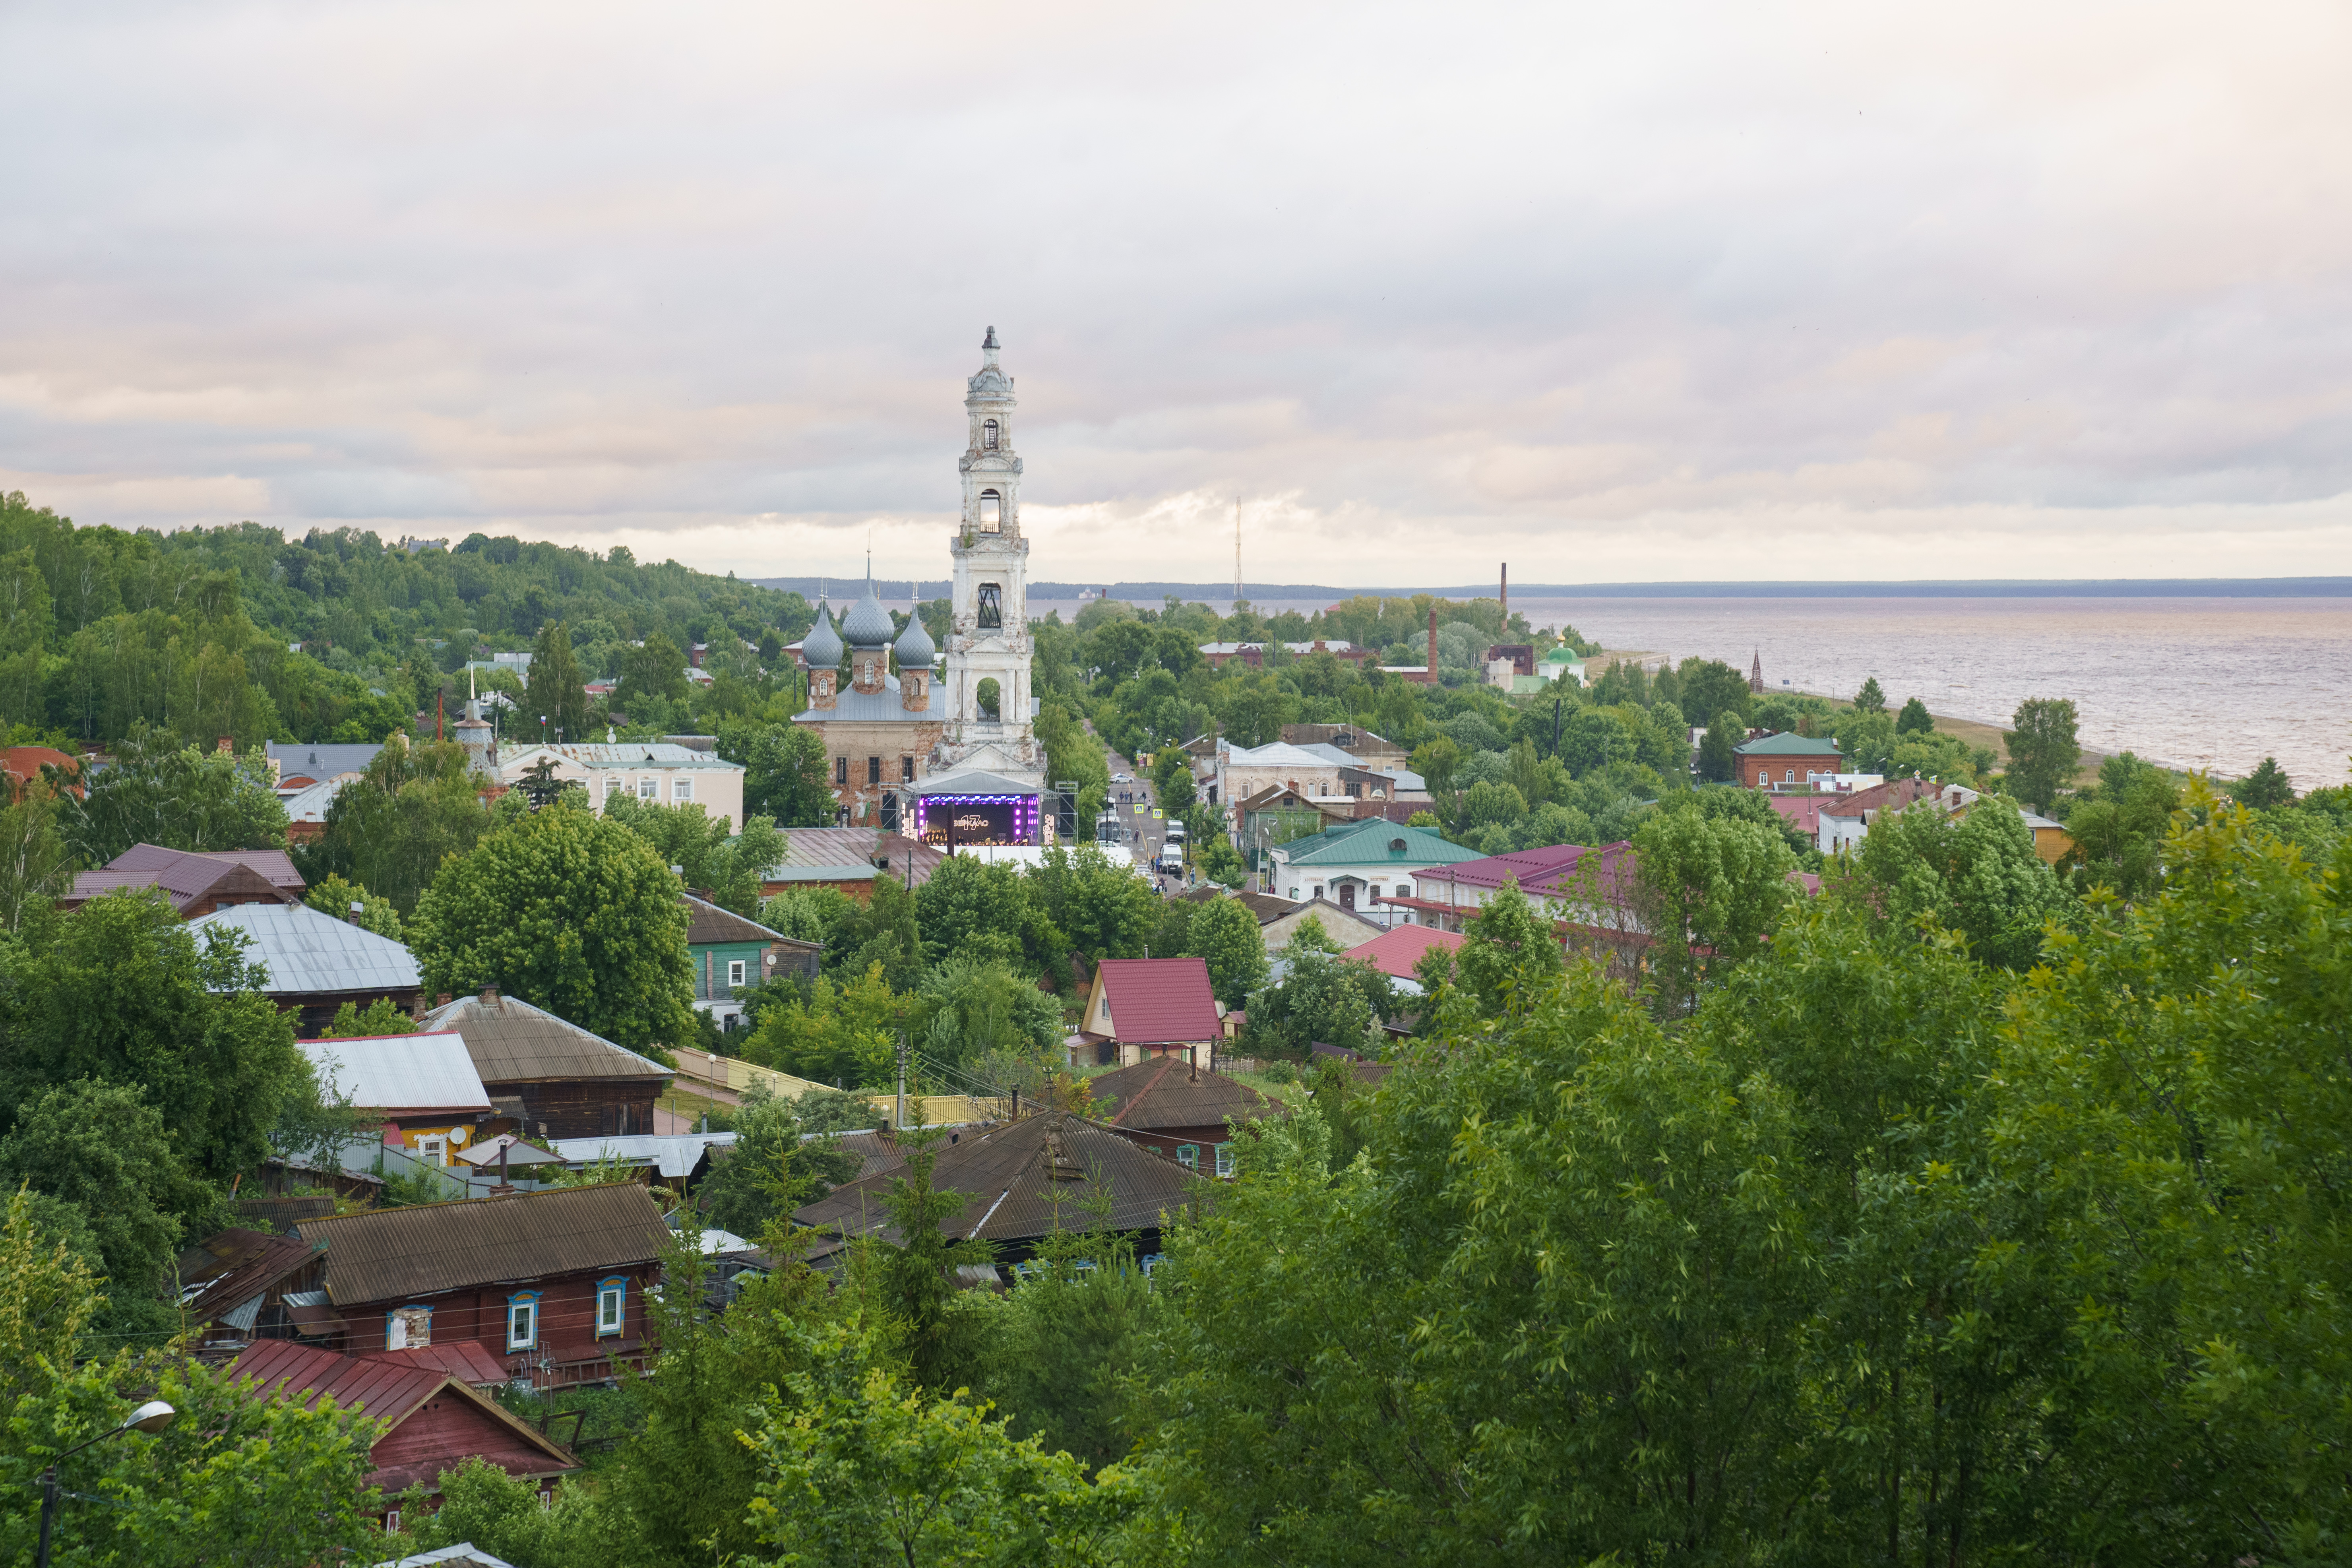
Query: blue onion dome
[[867, 625], [916, 650], [822, 650]]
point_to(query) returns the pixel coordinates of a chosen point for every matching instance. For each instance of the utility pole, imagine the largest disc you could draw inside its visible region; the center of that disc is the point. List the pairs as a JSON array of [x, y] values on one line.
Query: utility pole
[[901, 1123]]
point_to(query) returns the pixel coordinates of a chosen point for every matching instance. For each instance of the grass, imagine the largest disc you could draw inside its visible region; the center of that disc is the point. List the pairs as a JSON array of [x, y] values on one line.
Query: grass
[[611, 1414], [686, 1103]]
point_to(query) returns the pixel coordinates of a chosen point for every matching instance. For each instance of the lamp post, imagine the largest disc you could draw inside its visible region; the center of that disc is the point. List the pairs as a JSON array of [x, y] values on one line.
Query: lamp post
[[152, 1417]]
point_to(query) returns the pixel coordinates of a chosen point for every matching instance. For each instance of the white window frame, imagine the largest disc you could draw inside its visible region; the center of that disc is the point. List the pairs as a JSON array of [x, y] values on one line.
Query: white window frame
[[1189, 1156], [612, 1293], [526, 1302], [735, 970], [681, 789], [1226, 1162], [650, 788], [434, 1149]]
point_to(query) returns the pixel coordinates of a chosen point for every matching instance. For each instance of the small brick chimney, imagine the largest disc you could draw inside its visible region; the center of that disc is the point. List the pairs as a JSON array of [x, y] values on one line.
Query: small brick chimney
[[1433, 642]]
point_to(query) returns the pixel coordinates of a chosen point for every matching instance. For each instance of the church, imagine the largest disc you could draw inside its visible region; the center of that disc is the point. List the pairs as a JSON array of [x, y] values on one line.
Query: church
[[944, 751]]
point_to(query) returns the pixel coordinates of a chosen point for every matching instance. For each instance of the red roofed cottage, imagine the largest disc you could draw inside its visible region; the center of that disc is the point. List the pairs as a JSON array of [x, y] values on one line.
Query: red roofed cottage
[[1145, 1007]]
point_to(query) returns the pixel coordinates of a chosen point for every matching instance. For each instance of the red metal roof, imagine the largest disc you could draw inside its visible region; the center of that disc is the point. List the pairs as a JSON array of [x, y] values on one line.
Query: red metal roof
[[1557, 869], [1161, 1001], [1397, 949], [275, 865], [391, 1387]]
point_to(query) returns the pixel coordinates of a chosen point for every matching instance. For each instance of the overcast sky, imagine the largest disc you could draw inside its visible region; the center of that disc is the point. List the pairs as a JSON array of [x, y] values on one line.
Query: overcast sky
[[1625, 292]]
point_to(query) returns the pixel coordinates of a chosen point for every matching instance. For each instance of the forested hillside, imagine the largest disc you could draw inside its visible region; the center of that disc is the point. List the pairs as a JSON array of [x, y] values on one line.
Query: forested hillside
[[242, 631]]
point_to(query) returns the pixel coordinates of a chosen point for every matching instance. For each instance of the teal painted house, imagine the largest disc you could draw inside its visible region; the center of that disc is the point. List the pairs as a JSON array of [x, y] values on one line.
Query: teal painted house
[[730, 953], [1358, 864]]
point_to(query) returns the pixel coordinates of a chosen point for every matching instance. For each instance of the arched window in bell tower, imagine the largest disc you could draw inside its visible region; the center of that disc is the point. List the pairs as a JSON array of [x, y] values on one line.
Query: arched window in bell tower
[[992, 511], [988, 436]]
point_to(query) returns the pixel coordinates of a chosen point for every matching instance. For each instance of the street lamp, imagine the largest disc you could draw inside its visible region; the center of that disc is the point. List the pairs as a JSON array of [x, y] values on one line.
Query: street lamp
[[151, 1418]]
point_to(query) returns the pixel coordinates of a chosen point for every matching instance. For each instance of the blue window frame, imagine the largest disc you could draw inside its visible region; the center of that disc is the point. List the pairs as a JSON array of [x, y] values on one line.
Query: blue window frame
[[523, 1320], [1189, 1156], [612, 1305]]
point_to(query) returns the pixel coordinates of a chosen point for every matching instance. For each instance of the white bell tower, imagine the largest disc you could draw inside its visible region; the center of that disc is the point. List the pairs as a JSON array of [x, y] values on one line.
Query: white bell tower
[[989, 638]]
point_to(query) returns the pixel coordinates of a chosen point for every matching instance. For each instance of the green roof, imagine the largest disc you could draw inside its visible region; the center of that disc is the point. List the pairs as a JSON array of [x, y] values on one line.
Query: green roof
[[1788, 745], [1348, 845]]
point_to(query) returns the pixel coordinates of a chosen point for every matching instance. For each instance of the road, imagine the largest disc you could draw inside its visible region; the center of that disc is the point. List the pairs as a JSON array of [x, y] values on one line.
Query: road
[[1141, 833]]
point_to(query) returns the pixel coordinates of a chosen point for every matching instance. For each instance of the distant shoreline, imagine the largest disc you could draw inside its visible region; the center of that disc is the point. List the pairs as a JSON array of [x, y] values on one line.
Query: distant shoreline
[[1956, 588]]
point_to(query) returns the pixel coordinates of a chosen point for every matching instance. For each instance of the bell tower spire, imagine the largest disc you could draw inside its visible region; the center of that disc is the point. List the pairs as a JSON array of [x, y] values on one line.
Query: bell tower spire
[[987, 638]]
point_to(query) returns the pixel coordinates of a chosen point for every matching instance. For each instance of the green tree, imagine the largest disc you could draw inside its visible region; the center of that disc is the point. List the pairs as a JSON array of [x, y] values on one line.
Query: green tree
[[652, 672], [1871, 698], [985, 1014], [336, 896], [1226, 936], [235, 1479], [555, 690], [1711, 686], [730, 868], [856, 1472], [1978, 876], [2120, 827], [36, 866], [1321, 999], [1066, 1336], [102, 1148], [482, 1505], [392, 829], [845, 1033], [771, 1171], [1865, 736], [2267, 788], [1718, 757], [381, 1017], [1914, 719], [1711, 889], [1099, 904], [160, 792], [787, 776], [984, 911], [1437, 760], [1222, 863], [884, 931], [570, 912], [2043, 750], [124, 992], [910, 1280]]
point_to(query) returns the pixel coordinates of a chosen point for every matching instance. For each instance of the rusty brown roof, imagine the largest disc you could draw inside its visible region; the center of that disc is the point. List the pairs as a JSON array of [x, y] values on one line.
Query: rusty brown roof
[[1168, 1093], [1014, 1194], [392, 1255], [706, 923], [513, 1042], [235, 1266]]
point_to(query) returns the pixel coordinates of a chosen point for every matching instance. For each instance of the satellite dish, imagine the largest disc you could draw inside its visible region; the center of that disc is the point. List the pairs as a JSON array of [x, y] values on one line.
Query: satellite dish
[[457, 1136]]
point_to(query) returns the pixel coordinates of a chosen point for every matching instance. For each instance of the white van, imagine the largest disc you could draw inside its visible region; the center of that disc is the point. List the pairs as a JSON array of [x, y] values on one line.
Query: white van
[[1172, 858]]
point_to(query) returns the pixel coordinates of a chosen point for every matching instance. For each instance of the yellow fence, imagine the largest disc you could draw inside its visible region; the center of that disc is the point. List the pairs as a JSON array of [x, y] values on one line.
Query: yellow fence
[[735, 1075]]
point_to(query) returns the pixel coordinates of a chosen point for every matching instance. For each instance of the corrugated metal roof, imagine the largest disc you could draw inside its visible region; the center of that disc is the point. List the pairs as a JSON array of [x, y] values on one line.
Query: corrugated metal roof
[[1367, 842], [1397, 949], [514, 1042], [1784, 744], [391, 1386], [616, 755], [275, 866], [399, 1073], [707, 923], [307, 953], [1014, 1195], [235, 1265], [1161, 1001], [1169, 1093], [390, 1255], [1266, 907], [671, 1155], [318, 761]]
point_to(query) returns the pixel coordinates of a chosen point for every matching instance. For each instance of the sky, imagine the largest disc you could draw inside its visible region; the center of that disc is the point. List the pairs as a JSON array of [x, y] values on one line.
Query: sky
[[1657, 293]]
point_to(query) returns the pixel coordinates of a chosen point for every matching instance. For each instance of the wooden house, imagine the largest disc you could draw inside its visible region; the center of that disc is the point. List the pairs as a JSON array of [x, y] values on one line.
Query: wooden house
[[247, 1284], [1181, 1111], [552, 1284], [549, 1078], [421, 1089], [317, 962], [1140, 1008], [731, 954], [1026, 1179], [437, 1418], [197, 884]]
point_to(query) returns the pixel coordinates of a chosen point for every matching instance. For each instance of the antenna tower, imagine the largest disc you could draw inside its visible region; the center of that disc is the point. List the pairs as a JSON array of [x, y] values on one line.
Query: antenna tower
[[1237, 550]]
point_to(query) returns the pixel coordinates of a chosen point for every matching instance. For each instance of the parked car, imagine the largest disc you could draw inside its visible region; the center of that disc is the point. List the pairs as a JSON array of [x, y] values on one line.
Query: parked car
[[1122, 778]]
